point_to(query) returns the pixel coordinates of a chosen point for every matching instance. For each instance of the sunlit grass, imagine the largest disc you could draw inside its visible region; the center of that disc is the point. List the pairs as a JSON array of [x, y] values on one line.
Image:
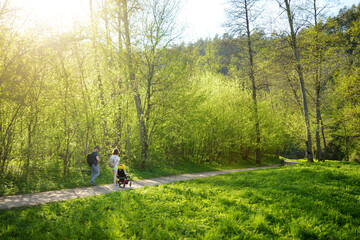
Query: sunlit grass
[[305, 201]]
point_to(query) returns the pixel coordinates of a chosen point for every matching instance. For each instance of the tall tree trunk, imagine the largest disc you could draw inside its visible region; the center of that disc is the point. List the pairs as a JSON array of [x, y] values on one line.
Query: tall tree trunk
[[324, 140], [309, 154], [96, 60], [97, 68], [318, 117], [119, 123], [31, 129], [88, 108], [28, 153], [128, 133], [252, 77], [66, 127], [317, 87], [137, 98]]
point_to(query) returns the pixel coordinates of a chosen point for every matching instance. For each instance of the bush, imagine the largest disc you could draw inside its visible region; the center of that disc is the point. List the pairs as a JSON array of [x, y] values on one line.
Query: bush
[[355, 157]]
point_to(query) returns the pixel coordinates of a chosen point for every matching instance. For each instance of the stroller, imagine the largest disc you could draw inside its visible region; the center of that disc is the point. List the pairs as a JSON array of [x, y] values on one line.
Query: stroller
[[122, 176]]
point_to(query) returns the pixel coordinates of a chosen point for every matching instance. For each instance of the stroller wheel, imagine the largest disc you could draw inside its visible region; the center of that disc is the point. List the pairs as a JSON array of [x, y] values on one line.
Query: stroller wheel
[[123, 184], [130, 184]]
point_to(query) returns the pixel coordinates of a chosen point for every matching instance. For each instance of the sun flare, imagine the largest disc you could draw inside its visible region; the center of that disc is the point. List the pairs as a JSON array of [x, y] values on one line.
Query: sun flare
[[54, 13]]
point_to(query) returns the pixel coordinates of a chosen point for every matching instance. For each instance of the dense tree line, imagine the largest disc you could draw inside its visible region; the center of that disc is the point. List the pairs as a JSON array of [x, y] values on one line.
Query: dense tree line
[[121, 80], [329, 57]]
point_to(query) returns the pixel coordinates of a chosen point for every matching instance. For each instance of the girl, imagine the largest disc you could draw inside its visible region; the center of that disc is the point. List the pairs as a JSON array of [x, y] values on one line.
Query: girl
[[116, 160]]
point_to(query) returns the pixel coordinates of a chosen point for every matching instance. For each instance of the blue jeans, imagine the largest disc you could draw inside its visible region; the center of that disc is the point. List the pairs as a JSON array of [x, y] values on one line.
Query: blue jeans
[[95, 172]]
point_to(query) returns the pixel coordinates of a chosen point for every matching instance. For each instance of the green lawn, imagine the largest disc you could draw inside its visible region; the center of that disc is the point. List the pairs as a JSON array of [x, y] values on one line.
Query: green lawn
[[305, 201]]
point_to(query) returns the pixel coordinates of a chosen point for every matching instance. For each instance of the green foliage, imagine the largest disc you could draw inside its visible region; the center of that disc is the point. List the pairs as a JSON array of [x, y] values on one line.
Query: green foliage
[[346, 94], [62, 93], [214, 123], [306, 201]]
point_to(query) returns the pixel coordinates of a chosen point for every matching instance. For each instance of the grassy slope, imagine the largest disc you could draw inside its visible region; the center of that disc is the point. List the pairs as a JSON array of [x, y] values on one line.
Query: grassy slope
[[306, 201]]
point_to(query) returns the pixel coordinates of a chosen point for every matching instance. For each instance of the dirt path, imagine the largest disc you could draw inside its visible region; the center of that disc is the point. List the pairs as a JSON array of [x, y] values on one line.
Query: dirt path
[[67, 194]]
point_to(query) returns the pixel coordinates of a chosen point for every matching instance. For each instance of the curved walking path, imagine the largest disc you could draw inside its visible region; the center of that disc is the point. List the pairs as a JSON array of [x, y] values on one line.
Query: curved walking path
[[22, 200]]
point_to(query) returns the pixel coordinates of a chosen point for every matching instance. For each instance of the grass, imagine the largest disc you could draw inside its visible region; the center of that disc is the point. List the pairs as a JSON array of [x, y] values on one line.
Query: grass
[[305, 201], [48, 180], [190, 167]]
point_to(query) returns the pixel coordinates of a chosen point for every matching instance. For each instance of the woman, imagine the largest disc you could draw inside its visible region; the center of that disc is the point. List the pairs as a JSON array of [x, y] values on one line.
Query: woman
[[115, 158]]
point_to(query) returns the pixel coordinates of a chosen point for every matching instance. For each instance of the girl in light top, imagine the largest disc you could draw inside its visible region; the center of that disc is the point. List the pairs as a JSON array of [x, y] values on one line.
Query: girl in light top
[[115, 159]]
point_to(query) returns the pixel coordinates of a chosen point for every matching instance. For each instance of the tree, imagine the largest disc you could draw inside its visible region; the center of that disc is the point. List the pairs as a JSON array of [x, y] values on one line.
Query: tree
[[345, 28], [134, 82], [158, 32], [240, 16], [95, 47], [315, 46], [299, 68], [13, 90]]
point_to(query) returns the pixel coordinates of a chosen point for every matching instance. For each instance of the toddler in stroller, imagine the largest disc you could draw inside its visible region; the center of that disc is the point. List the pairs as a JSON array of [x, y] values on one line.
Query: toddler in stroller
[[123, 176]]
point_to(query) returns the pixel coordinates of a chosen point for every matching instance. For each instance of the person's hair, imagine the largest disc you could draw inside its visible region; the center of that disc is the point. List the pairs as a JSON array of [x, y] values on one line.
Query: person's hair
[[97, 147], [115, 151]]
